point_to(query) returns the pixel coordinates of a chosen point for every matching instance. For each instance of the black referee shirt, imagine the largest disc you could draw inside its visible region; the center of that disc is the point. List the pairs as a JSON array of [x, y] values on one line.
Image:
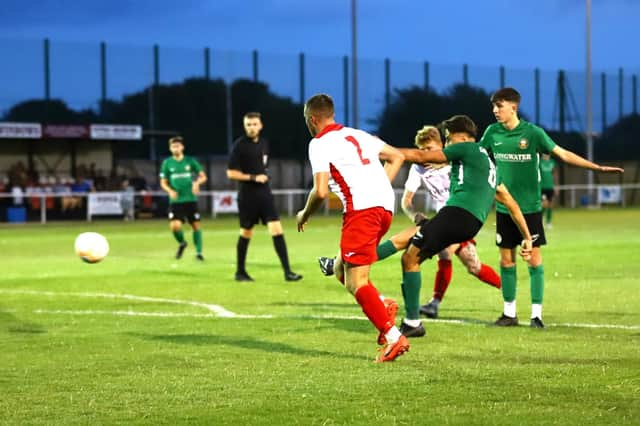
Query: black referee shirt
[[251, 158]]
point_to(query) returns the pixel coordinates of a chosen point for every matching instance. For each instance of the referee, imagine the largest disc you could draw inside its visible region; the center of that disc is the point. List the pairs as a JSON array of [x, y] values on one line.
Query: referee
[[248, 165]]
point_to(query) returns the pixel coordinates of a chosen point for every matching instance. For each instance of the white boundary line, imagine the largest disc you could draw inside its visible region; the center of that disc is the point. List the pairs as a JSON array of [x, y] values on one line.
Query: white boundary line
[[217, 311]]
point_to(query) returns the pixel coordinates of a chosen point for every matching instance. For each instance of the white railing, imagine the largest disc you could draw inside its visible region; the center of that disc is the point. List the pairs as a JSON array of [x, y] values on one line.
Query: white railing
[[154, 203]]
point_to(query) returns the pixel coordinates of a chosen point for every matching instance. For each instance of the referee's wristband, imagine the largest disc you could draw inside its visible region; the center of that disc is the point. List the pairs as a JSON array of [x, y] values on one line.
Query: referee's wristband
[[252, 178]]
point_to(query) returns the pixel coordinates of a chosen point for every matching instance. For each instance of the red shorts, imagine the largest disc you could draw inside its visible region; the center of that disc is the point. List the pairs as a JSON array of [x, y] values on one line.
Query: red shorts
[[362, 231]]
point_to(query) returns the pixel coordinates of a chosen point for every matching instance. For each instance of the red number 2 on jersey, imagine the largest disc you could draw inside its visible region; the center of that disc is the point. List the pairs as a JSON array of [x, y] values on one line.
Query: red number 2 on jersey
[[355, 143]]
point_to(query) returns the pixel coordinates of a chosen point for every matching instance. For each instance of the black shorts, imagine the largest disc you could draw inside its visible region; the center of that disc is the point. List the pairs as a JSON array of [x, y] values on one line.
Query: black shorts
[[257, 207], [184, 212], [547, 194], [508, 235], [449, 226]]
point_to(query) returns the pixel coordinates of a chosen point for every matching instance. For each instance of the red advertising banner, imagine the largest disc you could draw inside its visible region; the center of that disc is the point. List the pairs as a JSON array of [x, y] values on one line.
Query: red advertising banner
[[65, 131]]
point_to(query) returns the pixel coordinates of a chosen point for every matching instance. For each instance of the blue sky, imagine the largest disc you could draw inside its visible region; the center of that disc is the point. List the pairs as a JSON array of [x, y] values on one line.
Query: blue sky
[[514, 33], [518, 34]]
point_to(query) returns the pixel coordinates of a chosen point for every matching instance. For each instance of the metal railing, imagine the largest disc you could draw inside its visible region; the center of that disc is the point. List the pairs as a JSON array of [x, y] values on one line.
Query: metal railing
[[44, 206]]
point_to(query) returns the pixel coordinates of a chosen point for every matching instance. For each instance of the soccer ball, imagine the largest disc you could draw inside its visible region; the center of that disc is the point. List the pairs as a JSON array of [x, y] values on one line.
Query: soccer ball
[[91, 247]]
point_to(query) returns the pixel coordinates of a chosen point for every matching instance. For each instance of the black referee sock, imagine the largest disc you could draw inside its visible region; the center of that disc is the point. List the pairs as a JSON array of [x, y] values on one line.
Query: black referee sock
[[281, 249], [241, 253]]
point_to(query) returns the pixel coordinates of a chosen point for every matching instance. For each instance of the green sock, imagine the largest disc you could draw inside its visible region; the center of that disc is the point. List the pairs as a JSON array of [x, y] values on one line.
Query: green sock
[[509, 279], [548, 214], [411, 283], [385, 250], [197, 240], [536, 279], [179, 236]]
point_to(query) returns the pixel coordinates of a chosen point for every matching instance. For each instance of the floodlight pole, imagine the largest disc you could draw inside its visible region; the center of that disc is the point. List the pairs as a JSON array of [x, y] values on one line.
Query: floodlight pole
[[354, 63], [589, 128]]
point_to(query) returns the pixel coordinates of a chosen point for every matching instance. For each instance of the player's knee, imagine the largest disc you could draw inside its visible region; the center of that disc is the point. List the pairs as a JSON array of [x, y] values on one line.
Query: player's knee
[[246, 233], [409, 261]]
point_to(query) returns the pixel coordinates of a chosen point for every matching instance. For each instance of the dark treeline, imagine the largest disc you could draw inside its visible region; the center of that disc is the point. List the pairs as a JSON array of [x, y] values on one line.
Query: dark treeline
[[197, 109]]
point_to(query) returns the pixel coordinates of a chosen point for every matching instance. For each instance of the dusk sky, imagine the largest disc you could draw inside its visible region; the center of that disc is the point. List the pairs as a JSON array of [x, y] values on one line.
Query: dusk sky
[[514, 33]]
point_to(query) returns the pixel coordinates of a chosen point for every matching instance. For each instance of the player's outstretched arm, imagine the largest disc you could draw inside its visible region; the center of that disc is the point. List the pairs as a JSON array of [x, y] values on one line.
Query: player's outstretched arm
[[503, 196], [578, 161], [393, 159], [420, 156], [318, 194]]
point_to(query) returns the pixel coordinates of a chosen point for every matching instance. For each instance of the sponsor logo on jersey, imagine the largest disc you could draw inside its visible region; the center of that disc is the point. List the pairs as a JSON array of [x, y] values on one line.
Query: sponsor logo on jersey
[[523, 144], [513, 158]]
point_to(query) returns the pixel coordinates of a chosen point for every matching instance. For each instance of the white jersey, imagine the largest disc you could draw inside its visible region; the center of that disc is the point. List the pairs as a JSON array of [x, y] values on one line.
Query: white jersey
[[435, 180], [357, 176]]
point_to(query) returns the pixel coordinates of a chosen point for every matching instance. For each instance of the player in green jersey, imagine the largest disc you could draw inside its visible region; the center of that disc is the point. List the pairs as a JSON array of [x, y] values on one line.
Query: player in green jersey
[[548, 182], [516, 145], [473, 188], [177, 179]]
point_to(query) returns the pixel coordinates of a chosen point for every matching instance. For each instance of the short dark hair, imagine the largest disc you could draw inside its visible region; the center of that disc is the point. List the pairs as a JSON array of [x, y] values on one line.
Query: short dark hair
[[253, 114], [460, 124], [176, 139], [508, 94], [320, 104]]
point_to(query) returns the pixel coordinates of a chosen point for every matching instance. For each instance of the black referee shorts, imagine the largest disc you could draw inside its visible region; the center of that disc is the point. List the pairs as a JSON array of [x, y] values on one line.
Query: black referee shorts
[[449, 226], [257, 207], [508, 235], [184, 212]]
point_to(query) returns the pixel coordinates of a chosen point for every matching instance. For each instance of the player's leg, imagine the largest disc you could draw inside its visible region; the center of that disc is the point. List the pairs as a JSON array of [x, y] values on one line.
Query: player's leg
[[367, 296], [194, 220], [248, 216], [175, 225], [269, 215], [397, 242], [279, 244], [536, 269], [411, 283], [507, 239], [242, 247], [536, 281], [468, 255], [441, 282], [549, 208]]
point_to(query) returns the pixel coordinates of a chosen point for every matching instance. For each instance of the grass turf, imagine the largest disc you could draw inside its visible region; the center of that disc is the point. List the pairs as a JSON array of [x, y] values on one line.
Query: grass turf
[[76, 350]]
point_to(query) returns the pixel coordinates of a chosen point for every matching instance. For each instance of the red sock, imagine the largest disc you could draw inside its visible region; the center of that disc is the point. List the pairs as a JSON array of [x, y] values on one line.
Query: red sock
[[369, 299], [443, 278], [489, 276]]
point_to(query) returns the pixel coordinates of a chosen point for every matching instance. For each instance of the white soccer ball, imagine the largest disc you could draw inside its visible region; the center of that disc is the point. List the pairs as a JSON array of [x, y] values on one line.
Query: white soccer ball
[[91, 247]]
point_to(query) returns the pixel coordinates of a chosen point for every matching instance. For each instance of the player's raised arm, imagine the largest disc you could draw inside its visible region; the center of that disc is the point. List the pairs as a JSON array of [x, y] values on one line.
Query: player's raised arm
[[574, 159], [420, 156], [503, 196], [393, 159]]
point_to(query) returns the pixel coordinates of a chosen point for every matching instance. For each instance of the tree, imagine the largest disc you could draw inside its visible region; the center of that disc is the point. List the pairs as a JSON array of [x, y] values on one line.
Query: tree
[[415, 107]]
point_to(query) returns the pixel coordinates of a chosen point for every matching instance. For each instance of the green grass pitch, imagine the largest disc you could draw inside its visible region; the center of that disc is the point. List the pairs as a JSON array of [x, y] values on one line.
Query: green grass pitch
[[141, 338]]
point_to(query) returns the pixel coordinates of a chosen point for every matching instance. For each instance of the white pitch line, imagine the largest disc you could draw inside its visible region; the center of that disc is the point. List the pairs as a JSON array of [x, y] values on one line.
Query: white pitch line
[[218, 311], [318, 317]]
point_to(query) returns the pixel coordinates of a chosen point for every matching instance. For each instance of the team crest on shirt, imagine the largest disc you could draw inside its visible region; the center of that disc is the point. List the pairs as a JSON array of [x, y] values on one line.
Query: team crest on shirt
[[523, 144], [188, 167]]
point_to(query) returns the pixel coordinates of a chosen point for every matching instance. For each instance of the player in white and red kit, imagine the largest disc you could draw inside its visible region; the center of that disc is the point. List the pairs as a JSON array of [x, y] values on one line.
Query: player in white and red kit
[[347, 160]]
